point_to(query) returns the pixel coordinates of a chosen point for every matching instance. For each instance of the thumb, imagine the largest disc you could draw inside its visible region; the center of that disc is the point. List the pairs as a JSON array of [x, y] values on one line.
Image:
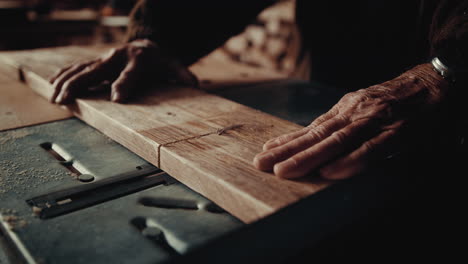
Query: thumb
[[121, 88], [182, 74]]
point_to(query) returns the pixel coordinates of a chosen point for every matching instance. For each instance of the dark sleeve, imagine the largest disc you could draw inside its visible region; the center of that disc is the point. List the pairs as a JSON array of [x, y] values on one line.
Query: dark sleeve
[[449, 34], [191, 29]]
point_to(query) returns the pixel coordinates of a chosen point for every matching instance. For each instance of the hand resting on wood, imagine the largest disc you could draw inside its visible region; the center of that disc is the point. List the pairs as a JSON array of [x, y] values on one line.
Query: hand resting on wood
[[137, 62]]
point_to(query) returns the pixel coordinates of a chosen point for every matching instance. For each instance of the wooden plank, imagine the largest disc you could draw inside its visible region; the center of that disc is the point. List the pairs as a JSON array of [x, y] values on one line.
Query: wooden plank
[[214, 71], [204, 141], [228, 158], [20, 107]]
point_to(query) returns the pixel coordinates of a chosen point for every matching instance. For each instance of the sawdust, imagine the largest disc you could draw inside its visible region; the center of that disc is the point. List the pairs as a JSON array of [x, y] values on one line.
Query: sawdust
[[14, 134], [4, 211], [14, 178], [11, 217], [20, 172], [36, 211]]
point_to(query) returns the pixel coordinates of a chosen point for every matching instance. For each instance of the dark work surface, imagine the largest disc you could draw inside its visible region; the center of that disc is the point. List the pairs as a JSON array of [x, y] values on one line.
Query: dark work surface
[[297, 101], [4, 258], [108, 225]]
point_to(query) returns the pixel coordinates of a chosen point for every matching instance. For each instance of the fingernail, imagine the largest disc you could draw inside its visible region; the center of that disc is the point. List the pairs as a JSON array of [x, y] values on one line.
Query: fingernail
[[268, 145], [59, 99], [284, 169], [264, 161], [115, 96], [257, 162]]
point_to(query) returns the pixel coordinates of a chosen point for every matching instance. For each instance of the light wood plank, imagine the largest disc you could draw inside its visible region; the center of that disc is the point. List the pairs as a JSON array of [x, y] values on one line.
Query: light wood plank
[[204, 141], [20, 107], [220, 164]]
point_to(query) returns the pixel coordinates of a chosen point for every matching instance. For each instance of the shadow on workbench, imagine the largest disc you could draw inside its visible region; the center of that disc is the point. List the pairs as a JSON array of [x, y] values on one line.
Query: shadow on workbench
[[399, 215]]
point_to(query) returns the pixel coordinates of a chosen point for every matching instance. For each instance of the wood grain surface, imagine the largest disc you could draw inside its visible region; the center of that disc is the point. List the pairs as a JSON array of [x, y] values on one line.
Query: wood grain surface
[[204, 141], [20, 106]]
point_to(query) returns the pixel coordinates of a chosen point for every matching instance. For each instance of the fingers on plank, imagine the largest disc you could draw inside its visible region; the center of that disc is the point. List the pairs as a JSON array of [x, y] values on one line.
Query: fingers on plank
[[357, 161], [273, 143], [340, 141], [267, 159]]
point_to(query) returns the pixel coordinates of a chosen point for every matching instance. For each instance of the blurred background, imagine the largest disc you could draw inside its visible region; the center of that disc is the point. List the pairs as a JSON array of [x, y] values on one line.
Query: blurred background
[[26, 24], [271, 41]]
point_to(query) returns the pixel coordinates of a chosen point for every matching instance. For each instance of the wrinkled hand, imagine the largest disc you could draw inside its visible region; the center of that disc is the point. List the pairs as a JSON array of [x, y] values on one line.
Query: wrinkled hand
[[137, 62], [364, 126]]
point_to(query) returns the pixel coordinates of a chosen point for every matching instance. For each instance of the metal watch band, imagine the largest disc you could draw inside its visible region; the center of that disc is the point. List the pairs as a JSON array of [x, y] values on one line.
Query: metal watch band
[[442, 69]]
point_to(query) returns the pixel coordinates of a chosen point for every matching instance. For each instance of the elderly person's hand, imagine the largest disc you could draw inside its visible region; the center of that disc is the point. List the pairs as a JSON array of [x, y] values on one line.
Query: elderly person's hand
[[364, 126], [137, 62]]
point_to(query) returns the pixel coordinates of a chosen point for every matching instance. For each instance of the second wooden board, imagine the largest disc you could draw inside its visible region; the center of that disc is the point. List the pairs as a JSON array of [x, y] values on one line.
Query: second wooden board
[[20, 106]]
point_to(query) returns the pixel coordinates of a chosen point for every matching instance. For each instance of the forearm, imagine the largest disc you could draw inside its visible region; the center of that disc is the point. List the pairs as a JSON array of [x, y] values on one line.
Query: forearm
[[189, 30], [449, 35]]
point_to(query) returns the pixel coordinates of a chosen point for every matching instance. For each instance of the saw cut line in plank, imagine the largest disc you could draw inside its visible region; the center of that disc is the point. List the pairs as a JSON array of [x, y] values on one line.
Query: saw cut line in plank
[[204, 141]]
